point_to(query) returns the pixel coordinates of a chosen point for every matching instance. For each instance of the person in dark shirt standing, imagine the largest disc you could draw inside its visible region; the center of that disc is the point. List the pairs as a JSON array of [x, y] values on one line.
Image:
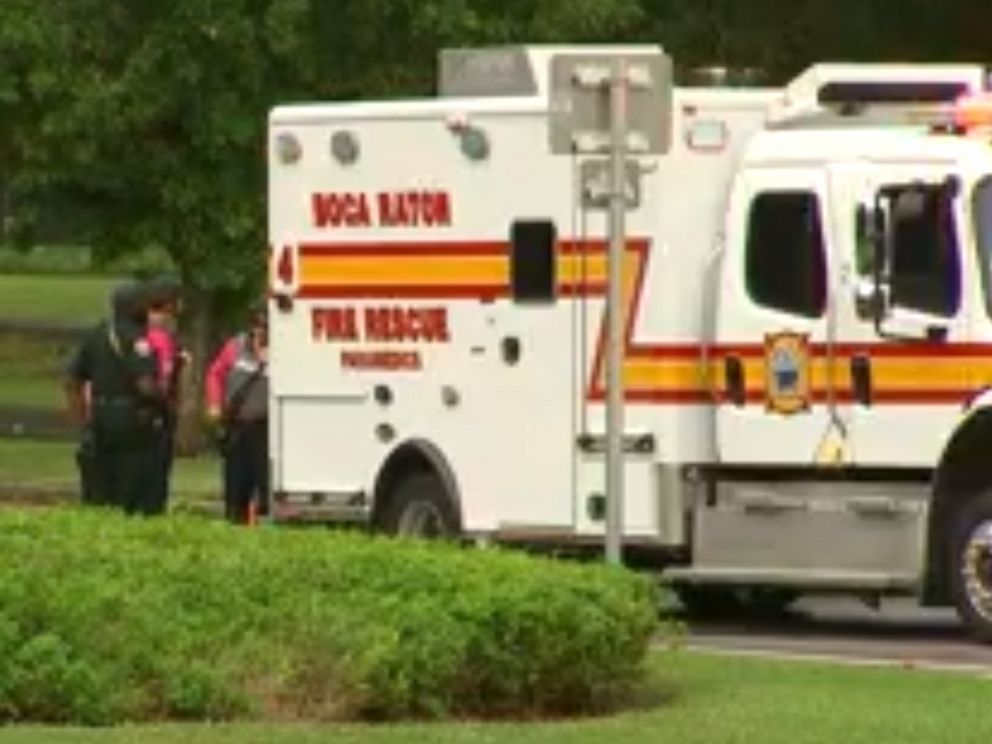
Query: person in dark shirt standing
[[112, 391]]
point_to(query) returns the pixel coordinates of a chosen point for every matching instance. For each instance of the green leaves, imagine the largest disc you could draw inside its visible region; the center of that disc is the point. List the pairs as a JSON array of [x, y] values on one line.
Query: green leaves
[[105, 619], [148, 119]]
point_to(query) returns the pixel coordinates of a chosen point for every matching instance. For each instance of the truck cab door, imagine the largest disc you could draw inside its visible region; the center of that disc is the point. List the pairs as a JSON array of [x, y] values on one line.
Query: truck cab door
[[774, 340], [902, 311]]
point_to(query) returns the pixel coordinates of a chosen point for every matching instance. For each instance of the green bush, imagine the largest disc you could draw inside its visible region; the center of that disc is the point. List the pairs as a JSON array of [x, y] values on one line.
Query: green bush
[[105, 619]]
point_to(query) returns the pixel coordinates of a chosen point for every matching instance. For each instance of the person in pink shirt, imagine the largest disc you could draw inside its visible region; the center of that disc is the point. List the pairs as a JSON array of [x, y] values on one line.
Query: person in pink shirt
[[164, 296], [237, 400]]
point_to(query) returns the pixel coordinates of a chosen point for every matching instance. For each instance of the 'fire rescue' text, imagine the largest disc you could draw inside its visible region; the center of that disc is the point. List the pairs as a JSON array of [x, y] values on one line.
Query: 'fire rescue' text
[[378, 324]]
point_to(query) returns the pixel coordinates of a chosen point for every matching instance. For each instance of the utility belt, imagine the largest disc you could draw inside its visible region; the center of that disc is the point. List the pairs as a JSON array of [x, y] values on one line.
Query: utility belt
[[114, 401], [237, 430], [126, 411]]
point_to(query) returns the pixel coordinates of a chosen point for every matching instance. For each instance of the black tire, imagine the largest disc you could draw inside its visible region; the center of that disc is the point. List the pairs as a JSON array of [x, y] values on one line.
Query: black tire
[[971, 566], [420, 507], [708, 602]]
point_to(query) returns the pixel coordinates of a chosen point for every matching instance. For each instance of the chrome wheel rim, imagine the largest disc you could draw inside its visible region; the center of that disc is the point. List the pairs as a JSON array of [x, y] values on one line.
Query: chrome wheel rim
[[976, 569]]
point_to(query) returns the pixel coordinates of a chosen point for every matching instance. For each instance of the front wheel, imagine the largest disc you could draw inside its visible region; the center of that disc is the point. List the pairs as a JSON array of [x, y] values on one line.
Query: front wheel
[[420, 507], [971, 563]]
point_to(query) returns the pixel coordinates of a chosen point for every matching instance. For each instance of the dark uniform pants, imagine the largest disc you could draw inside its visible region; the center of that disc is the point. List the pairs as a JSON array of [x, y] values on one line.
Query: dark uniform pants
[[86, 462], [125, 461], [165, 448], [246, 469]]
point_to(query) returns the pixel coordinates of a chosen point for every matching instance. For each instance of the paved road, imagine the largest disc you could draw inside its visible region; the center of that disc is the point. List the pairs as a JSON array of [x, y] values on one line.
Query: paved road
[[898, 633]]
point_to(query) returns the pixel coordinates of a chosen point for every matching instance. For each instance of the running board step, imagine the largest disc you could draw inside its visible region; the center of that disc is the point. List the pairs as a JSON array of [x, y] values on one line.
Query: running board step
[[811, 579]]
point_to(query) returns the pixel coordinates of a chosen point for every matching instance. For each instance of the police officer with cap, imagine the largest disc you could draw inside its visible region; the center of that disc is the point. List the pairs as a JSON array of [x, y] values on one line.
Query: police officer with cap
[[112, 390]]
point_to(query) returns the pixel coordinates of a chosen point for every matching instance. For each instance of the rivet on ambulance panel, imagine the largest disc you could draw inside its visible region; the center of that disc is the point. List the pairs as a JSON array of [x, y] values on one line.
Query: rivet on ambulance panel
[[707, 135], [345, 147], [385, 433], [382, 394], [474, 143], [288, 149], [450, 397]]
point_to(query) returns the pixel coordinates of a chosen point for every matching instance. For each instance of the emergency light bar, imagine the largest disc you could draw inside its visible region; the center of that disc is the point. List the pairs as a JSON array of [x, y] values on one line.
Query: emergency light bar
[[858, 93], [907, 93]]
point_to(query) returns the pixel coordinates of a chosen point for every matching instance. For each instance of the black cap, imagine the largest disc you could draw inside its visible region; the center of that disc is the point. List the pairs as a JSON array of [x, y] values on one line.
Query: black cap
[[162, 289], [129, 300]]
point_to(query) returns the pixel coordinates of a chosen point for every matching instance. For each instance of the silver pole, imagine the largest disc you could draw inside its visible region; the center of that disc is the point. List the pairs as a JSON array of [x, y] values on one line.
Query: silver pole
[[614, 357]]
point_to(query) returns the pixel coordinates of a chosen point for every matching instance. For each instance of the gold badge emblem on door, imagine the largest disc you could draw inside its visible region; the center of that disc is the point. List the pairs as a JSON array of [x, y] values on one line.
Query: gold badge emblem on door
[[787, 383]]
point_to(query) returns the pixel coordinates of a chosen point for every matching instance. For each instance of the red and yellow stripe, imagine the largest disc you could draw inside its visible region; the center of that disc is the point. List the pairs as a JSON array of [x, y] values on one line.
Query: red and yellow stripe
[[932, 373]]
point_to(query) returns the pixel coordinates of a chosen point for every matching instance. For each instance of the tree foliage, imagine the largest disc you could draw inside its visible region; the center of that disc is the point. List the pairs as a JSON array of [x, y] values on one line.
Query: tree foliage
[[137, 125], [782, 37], [145, 121]]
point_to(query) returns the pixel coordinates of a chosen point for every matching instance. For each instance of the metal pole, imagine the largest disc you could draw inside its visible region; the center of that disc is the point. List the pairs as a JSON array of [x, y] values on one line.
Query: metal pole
[[614, 357]]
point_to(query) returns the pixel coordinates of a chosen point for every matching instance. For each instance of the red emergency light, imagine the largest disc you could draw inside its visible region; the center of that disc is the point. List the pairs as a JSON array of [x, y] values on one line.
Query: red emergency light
[[973, 112]]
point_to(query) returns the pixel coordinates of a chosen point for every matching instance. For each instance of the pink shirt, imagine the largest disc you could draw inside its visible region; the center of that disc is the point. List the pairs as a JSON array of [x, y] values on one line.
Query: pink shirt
[[166, 352], [217, 374]]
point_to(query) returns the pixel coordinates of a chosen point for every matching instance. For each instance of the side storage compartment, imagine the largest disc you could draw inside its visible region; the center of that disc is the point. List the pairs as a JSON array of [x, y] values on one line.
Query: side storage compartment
[[844, 536], [323, 448]]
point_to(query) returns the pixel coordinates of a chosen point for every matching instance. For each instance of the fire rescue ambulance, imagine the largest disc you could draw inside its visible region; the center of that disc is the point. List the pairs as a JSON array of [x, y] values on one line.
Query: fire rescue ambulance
[[807, 297]]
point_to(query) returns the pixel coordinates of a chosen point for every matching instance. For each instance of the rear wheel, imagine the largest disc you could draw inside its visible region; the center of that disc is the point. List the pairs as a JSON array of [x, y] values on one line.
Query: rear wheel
[[420, 507], [971, 563]]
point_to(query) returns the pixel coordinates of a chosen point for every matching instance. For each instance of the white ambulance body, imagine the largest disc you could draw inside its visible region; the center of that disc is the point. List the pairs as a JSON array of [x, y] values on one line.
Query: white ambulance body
[[808, 304]]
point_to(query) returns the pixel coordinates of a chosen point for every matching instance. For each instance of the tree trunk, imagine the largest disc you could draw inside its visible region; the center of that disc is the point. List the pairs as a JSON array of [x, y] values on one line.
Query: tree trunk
[[198, 334]]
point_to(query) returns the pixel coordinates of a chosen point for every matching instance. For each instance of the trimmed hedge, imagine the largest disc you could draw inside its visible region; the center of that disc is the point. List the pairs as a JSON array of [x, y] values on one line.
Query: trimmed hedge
[[105, 619]]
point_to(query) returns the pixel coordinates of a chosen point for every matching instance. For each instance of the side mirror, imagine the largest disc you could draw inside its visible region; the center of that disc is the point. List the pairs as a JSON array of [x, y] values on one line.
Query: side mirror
[[872, 291], [871, 300]]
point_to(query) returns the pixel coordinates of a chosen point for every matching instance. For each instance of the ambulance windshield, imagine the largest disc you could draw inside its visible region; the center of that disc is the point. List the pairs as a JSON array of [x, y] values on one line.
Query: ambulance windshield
[[983, 230]]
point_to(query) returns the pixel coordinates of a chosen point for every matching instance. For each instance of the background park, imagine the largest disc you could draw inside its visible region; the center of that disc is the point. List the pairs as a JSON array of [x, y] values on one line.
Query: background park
[[132, 140]]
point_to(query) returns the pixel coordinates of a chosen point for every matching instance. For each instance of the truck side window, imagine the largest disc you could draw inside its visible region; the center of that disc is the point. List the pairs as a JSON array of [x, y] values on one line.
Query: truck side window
[[982, 207], [532, 261], [925, 271], [785, 262]]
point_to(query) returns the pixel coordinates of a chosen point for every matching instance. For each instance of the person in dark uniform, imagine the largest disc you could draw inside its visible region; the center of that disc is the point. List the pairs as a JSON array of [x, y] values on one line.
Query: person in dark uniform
[[164, 295], [112, 391], [237, 399]]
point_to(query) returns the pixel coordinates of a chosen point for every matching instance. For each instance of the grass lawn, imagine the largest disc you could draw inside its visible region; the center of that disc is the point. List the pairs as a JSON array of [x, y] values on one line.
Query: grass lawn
[[75, 299], [52, 464], [700, 699], [36, 391], [31, 370]]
